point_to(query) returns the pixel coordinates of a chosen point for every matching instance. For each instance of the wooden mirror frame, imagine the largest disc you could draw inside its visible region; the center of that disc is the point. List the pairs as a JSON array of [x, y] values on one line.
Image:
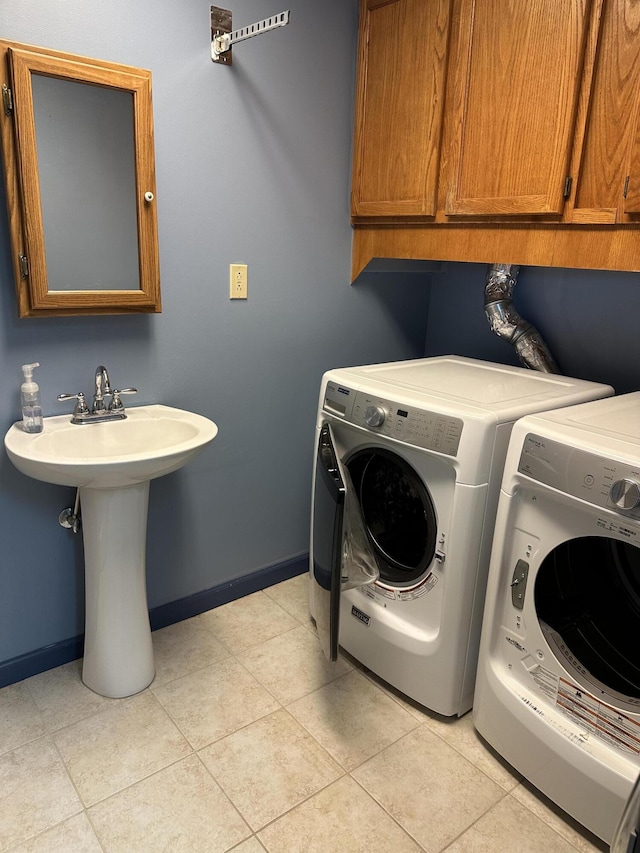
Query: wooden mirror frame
[[18, 135]]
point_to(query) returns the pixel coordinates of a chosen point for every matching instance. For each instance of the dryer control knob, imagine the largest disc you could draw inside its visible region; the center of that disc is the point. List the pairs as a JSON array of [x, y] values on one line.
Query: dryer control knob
[[374, 416], [625, 494]]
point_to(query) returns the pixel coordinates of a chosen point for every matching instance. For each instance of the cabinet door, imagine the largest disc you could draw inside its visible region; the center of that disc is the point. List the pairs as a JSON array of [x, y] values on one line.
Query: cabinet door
[[609, 140], [631, 205], [402, 59], [517, 70]]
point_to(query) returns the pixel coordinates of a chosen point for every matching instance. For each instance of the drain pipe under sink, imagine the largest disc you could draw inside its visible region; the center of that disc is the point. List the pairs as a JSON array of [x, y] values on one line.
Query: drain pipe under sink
[[508, 324]]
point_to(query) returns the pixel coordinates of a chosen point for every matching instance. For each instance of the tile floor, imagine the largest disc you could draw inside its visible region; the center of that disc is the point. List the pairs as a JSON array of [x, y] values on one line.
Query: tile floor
[[248, 740]]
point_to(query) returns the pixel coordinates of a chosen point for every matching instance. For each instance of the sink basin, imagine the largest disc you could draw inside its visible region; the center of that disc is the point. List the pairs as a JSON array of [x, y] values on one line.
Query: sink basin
[[150, 442], [112, 463]]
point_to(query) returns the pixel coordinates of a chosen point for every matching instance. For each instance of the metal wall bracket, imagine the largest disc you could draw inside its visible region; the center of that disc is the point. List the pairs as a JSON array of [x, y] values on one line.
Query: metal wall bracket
[[223, 38]]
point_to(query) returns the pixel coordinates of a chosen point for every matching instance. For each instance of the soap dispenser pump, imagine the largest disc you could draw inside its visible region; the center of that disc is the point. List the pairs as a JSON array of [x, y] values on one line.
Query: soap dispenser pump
[[30, 399]]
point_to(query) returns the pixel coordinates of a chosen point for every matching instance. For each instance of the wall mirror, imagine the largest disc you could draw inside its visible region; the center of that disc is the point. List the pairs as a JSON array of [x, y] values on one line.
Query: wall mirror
[[79, 167]]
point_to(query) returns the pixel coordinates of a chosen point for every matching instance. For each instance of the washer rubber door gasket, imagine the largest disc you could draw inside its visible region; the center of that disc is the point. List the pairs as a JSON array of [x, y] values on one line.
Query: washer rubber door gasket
[[398, 514]]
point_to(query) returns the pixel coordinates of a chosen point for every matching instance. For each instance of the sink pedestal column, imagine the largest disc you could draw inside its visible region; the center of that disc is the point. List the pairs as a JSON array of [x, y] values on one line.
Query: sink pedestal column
[[118, 652]]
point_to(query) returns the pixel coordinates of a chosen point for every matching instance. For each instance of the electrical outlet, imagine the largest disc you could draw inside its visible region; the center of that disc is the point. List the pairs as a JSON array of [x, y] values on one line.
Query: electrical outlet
[[237, 281]]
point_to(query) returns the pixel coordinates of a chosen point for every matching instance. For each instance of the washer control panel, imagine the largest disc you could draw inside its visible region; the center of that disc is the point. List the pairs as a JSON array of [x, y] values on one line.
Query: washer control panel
[[597, 479], [409, 424]]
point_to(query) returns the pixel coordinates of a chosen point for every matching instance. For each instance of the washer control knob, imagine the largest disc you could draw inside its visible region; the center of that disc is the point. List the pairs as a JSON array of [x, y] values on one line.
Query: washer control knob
[[374, 416], [625, 494]]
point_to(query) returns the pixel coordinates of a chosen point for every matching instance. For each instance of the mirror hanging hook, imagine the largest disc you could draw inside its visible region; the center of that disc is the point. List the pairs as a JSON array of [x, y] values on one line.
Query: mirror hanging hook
[[223, 38]]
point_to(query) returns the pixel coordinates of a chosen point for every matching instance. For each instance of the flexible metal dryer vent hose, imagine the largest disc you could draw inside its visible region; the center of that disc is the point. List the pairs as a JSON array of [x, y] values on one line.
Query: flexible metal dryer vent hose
[[508, 324]]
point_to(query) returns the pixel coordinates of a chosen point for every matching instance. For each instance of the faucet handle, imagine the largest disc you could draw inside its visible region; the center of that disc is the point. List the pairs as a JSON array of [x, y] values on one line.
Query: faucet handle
[[81, 407], [116, 403]]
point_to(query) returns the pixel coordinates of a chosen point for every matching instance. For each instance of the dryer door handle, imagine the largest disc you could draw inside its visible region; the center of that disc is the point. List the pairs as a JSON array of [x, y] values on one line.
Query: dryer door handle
[[519, 584]]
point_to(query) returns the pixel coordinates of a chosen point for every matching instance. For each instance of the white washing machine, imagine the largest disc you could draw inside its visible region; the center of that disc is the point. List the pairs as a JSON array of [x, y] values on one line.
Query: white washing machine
[[558, 687], [407, 473]]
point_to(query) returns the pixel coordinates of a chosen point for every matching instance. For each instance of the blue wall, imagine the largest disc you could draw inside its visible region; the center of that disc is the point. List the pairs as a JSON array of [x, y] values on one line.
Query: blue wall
[[253, 166], [588, 318]]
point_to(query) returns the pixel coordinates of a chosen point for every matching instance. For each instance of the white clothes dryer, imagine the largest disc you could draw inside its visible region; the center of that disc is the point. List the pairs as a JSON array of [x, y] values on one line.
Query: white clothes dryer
[[407, 471], [558, 686]]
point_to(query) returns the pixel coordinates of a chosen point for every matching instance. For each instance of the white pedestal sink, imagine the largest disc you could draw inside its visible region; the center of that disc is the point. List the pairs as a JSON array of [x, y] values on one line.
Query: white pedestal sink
[[112, 463]]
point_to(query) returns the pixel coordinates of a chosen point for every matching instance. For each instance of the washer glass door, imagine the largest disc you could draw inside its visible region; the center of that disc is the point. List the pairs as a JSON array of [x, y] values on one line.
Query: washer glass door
[[587, 598], [342, 556], [398, 514]]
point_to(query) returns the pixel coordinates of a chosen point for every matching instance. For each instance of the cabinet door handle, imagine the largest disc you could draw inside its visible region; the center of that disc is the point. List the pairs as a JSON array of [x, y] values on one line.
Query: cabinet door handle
[[567, 186]]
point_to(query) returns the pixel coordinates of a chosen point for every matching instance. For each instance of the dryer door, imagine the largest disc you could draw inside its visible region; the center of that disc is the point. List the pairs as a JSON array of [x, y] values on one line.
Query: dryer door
[[342, 557], [587, 599]]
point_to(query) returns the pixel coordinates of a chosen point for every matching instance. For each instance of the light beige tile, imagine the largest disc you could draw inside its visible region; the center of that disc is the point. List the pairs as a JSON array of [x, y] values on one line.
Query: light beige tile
[[248, 621], [431, 790], [215, 701], [119, 746], [352, 718], [558, 819], [179, 808], [460, 733], [508, 827], [293, 595], [20, 720], [182, 648], [35, 792], [292, 665], [74, 835], [62, 698], [274, 756], [339, 819]]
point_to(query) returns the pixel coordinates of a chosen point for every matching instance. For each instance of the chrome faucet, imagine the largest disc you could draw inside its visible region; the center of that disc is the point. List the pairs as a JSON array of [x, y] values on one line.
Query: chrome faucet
[[102, 387], [99, 411]]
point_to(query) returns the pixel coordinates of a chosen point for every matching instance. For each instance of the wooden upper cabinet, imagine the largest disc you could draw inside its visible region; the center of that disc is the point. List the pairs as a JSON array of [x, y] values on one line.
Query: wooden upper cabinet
[[498, 129], [516, 69], [402, 65]]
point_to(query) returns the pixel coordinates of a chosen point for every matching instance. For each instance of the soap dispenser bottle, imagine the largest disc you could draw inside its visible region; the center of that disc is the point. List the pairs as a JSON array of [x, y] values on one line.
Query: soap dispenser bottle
[[30, 399]]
